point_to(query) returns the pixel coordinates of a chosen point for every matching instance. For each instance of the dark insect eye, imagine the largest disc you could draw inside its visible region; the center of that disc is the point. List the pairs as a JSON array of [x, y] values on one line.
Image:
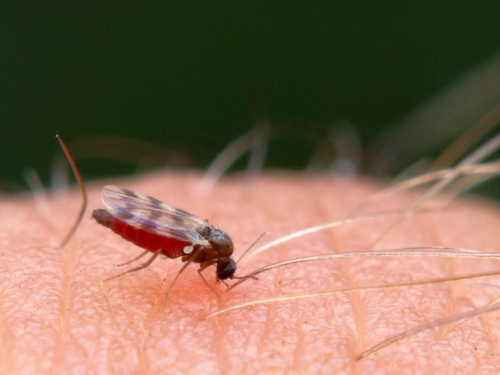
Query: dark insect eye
[[226, 270]]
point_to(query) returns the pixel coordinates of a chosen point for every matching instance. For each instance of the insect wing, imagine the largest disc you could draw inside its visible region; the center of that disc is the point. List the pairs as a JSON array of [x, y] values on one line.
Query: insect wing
[[148, 213]]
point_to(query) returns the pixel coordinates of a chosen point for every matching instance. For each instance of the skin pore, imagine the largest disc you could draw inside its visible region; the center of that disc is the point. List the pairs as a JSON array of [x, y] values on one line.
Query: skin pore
[[58, 316]]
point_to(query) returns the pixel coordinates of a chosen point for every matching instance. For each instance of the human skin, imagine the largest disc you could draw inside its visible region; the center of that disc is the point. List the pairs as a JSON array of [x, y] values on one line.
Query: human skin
[[57, 316]]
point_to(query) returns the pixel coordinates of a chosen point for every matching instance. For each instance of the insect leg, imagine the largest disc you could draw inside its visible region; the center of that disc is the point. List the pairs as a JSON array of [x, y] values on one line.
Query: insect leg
[[245, 277], [133, 260], [175, 279], [142, 266], [188, 262], [241, 278], [201, 269]]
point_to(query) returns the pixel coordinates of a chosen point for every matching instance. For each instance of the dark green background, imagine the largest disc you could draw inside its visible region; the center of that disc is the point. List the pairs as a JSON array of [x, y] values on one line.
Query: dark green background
[[179, 74]]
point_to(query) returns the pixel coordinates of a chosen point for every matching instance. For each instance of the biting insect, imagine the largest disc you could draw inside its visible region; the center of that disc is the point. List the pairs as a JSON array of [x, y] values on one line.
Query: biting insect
[[160, 229], [165, 230]]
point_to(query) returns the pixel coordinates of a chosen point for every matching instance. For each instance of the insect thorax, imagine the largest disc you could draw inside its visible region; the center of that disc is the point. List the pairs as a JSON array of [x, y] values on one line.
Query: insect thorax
[[219, 240]]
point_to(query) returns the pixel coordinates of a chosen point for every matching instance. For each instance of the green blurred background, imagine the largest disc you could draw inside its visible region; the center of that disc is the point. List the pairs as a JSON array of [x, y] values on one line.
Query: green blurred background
[[185, 75]]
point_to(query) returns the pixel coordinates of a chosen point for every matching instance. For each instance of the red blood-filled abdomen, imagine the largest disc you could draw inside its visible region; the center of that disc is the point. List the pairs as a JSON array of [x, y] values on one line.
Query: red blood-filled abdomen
[[171, 247]]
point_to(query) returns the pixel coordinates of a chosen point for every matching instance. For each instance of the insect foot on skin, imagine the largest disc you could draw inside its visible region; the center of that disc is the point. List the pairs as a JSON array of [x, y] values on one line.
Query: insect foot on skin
[[160, 229]]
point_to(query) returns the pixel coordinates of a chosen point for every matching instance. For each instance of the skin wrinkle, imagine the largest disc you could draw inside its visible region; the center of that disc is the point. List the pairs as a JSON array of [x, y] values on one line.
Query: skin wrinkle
[[140, 345], [355, 298], [65, 305], [299, 345], [220, 327], [344, 269], [6, 349], [101, 315], [271, 316], [432, 235], [347, 279], [357, 311]]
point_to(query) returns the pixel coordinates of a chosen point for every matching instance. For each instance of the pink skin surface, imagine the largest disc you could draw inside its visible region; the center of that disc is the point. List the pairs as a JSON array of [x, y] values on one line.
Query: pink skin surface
[[57, 316]]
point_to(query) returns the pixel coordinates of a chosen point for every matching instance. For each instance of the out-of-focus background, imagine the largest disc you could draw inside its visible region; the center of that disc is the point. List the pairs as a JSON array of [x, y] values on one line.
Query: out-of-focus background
[[133, 84]]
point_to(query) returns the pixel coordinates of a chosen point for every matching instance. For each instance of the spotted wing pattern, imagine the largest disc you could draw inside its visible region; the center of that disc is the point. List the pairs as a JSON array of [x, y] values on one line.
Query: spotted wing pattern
[[148, 213]]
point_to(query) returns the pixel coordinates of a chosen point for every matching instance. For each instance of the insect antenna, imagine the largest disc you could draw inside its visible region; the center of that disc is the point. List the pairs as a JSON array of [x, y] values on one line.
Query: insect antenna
[[250, 247], [82, 189]]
